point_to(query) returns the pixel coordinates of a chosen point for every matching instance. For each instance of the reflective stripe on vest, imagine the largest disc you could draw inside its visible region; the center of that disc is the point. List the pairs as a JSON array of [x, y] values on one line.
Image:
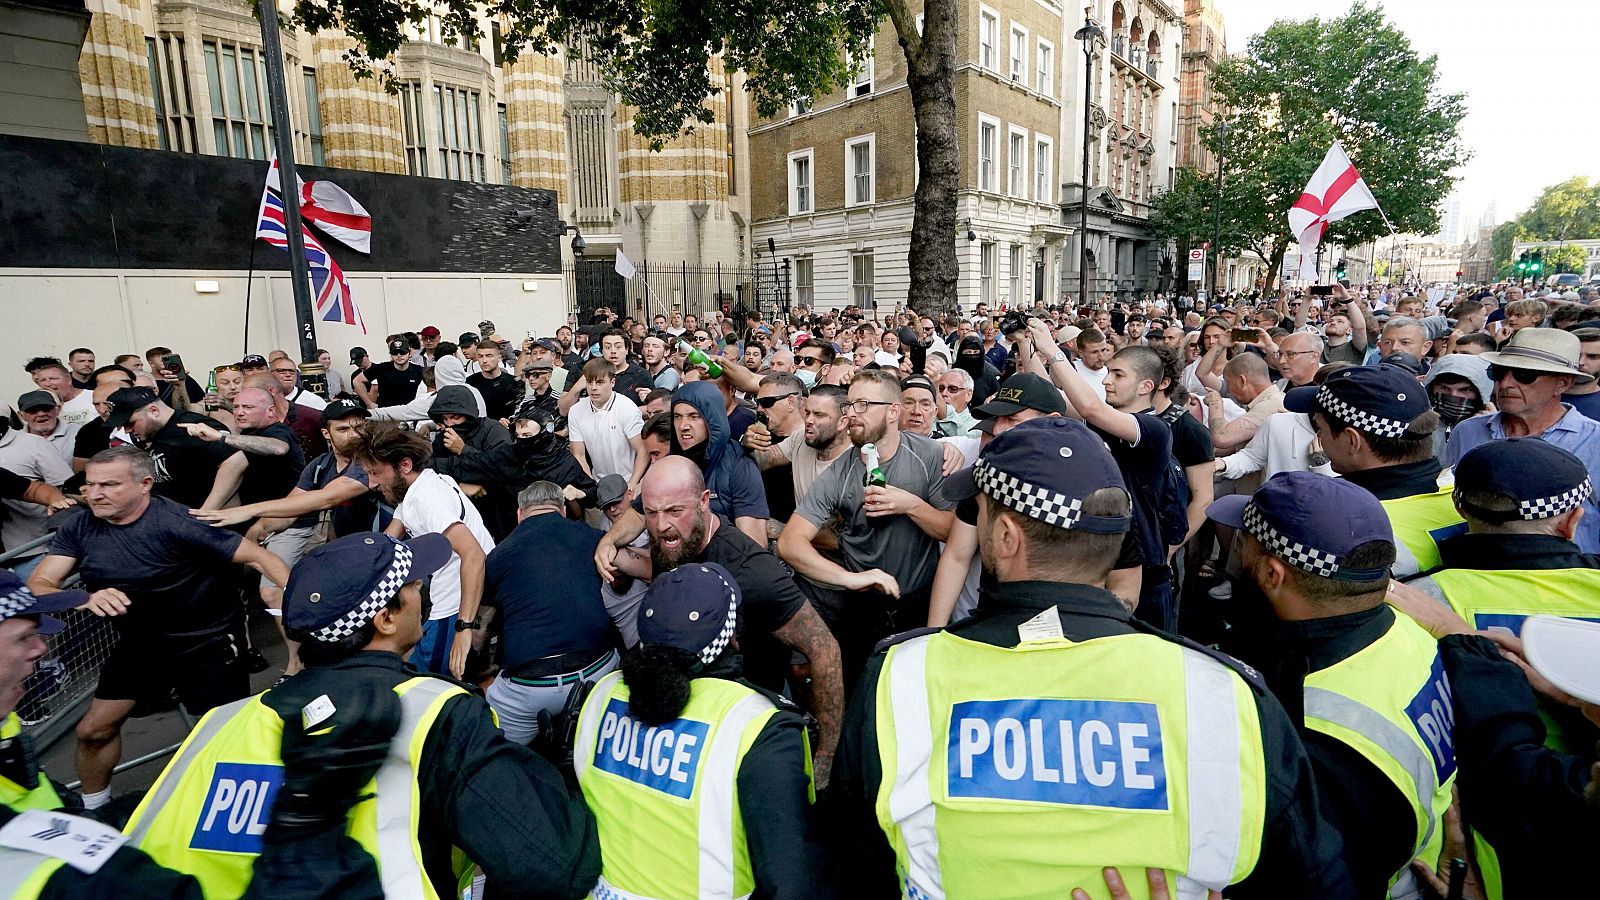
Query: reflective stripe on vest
[[1212, 772], [43, 794], [714, 789], [23, 873], [386, 827], [1419, 523]]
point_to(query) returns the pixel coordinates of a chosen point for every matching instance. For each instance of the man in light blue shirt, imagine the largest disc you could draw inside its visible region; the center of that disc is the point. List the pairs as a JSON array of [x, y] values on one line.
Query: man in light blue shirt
[[1530, 374]]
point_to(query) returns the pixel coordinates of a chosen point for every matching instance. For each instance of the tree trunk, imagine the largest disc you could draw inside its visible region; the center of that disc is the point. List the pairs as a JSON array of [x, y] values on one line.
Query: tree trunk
[[1275, 265], [930, 59]]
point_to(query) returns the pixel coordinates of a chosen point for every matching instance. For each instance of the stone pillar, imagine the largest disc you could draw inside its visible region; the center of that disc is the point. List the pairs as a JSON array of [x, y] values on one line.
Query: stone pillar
[[535, 122], [118, 99], [361, 126]]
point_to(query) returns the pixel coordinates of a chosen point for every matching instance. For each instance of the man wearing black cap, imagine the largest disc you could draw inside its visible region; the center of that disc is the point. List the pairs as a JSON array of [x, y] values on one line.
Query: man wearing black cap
[[395, 381], [1376, 426], [1366, 686], [40, 412], [993, 778], [198, 473], [918, 405], [450, 780], [678, 730]]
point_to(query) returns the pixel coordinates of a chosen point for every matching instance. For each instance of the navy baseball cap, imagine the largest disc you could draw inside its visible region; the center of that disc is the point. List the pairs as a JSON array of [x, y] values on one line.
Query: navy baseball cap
[[17, 600], [1406, 361], [339, 587], [1544, 480], [253, 361], [126, 401], [551, 344], [1383, 400], [1024, 390], [694, 607], [1310, 521], [343, 409], [1044, 469]]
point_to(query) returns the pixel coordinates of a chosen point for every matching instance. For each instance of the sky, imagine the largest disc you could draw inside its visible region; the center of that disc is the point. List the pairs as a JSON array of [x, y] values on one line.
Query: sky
[[1522, 65]]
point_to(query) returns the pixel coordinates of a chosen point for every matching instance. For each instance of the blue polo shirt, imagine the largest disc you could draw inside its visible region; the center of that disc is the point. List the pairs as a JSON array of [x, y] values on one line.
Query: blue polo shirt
[[543, 581], [1574, 432]]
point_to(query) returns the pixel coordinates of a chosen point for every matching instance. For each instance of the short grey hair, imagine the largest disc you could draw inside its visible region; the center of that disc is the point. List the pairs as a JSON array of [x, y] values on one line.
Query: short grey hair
[[541, 494], [966, 378], [139, 462], [784, 381]]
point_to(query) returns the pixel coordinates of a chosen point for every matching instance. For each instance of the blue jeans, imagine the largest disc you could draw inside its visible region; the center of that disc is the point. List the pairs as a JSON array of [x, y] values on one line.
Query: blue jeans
[[432, 653]]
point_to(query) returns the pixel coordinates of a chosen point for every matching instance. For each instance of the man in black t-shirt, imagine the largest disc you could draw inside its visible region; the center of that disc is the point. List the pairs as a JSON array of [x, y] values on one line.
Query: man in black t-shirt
[[633, 381], [395, 382], [499, 388], [167, 579], [194, 472]]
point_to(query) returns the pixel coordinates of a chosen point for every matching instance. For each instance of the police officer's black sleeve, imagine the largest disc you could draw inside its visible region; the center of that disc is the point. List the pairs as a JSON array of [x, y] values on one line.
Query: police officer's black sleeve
[[1526, 799], [1301, 854], [1375, 820], [507, 807], [782, 827], [860, 846], [12, 485], [309, 866]]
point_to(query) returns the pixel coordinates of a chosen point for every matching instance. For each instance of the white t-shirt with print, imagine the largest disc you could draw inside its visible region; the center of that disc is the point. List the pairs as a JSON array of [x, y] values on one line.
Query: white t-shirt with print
[[432, 504]]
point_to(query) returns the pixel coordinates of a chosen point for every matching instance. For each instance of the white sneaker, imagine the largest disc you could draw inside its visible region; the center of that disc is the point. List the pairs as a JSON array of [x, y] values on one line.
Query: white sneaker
[[1222, 590]]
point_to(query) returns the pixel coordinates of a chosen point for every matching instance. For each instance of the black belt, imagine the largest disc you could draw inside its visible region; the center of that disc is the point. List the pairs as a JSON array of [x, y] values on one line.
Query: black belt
[[566, 668]]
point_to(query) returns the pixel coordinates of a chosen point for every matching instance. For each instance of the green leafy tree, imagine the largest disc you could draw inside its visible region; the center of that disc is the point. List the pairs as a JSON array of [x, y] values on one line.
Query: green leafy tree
[[1300, 86], [659, 58], [1504, 239], [1186, 213], [1566, 211], [1562, 259]]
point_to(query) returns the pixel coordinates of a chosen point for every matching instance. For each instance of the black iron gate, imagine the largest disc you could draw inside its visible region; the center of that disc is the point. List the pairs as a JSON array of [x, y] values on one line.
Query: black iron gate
[[660, 288], [593, 283]]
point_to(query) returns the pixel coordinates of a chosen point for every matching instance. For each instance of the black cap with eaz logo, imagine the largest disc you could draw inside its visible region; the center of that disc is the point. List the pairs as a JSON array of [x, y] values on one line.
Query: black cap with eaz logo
[[1023, 391]]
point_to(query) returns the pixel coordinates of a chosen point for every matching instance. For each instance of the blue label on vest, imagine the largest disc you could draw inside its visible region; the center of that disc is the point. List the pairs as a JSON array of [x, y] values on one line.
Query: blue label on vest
[[1435, 719], [1510, 623], [237, 808], [1078, 752], [1444, 532], [661, 757]]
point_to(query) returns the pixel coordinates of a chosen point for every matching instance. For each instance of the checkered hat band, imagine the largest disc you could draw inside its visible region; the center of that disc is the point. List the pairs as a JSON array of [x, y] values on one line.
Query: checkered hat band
[[14, 603], [1550, 507], [711, 651], [1049, 507], [1359, 418], [1308, 559], [387, 587]]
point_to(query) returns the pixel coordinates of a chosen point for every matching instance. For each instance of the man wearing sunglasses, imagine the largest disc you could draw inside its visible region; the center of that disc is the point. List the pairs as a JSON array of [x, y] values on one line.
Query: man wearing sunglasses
[[1530, 373]]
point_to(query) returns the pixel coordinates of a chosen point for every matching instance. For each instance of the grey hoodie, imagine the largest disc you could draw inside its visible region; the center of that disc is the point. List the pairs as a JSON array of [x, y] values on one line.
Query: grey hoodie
[[446, 372]]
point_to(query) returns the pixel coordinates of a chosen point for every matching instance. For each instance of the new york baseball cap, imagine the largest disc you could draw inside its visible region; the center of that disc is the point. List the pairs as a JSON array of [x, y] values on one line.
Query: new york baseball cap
[[1383, 400], [1311, 522], [1543, 480], [694, 607], [339, 587], [343, 409], [1044, 469], [17, 600], [125, 401]]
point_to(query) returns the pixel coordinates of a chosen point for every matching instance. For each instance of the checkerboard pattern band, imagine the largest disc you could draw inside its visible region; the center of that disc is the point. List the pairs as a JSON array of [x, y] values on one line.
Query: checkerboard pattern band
[[14, 603], [711, 651], [1296, 554], [1550, 507], [1049, 507], [387, 587], [1360, 419]]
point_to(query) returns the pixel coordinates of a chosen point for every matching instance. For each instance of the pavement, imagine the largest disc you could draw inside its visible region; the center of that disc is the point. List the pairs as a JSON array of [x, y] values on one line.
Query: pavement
[[162, 730]]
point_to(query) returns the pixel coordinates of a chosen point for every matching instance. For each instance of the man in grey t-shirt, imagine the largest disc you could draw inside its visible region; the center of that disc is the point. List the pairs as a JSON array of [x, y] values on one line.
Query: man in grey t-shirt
[[888, 536]]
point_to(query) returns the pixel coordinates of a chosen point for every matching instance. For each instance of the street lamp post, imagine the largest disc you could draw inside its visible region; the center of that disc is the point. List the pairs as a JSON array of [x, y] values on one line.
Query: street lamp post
[[1216, 225], [1087, 35]]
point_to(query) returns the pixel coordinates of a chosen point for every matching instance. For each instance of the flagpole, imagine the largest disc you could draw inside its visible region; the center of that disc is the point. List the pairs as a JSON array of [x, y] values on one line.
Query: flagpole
[[312, 376], [249, 279]]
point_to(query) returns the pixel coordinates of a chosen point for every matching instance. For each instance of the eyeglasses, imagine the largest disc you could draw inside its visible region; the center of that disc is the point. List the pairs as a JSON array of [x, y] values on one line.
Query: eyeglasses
[[808, 361], [277, 371], [770, 402], [857, 407], [951, 389], [232, 367], [1523, 376]]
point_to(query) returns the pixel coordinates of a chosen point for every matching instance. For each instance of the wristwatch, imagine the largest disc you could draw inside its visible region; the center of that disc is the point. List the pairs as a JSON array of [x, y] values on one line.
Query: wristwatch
[[461, 626]]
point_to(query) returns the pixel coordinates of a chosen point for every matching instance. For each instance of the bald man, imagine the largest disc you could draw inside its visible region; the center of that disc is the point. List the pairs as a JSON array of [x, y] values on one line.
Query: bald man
[[774, 617], [1249, 384]]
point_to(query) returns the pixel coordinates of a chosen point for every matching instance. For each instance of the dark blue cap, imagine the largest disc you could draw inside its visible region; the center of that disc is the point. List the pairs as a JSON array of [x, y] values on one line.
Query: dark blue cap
[[1544, 480], [1021, 391], [343, 409], [1310, 521], [339, 587], [1044, 469], [694, 607], [1381, 400], [16, 600]]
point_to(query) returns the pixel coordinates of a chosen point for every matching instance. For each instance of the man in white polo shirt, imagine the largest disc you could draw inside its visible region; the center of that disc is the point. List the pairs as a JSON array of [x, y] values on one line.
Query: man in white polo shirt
[[604, 429]]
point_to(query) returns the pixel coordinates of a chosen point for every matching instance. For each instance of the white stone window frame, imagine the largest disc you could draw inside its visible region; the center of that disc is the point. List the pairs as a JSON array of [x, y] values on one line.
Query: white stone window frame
[[988, 19], [1017, 60], [810, 196], [1017, 172], [852, 195], [1045, 68], [988, 184], [1044, 148]]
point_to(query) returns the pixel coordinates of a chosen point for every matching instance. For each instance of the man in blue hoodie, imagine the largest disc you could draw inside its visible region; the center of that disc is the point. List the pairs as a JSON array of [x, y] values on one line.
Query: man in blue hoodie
[[700, 433]]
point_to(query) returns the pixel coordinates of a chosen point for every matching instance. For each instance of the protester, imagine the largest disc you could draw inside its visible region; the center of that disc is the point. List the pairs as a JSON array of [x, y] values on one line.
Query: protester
[[198, 473]]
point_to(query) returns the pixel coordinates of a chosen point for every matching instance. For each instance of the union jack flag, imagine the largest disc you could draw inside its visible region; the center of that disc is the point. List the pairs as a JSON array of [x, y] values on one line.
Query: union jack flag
[[334, 302]]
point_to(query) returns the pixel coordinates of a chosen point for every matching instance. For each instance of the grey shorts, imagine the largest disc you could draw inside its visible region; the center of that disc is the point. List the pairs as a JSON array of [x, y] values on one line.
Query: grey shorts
[[289, 545], [518, 705]]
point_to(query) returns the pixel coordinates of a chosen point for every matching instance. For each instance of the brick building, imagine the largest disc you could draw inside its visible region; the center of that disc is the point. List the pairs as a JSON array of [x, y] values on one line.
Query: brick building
[[1205, 44]]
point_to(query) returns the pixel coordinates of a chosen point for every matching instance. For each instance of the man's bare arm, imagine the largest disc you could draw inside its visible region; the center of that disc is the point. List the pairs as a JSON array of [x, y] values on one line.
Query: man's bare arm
[[806, 633]]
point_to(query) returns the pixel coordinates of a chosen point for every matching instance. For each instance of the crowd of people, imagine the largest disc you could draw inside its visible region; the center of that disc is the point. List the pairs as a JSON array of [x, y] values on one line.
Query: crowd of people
[[1284, 597]]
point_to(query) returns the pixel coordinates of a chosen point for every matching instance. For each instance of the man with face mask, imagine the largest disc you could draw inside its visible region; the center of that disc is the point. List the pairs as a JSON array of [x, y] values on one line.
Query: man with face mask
[[985, 377], [1458, 388]]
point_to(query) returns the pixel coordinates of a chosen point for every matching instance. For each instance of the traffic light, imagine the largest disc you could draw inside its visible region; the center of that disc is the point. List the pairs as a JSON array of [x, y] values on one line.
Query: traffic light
[[1522, 263], [1338, 271], [1536, 263]]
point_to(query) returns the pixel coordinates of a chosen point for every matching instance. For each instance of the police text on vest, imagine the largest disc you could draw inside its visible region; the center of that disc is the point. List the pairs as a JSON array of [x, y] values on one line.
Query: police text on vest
[[662, 757]]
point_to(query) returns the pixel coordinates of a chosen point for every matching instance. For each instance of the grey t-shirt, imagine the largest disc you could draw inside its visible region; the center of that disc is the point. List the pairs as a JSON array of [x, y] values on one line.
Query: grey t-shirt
[[894, 544]]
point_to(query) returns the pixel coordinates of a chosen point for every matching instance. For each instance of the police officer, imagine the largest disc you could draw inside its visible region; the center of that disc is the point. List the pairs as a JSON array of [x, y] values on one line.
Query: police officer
[[450, 779], [699, 781], [1049, 735], [1366, 686], [53, 854], [1376, 427]]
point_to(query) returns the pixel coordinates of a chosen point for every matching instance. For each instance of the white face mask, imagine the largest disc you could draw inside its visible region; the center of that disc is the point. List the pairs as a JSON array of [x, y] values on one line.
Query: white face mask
[[807, 377]]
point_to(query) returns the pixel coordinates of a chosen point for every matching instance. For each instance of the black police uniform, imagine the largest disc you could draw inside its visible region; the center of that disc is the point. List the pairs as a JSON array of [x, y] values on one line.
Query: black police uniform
[[1398, 481]]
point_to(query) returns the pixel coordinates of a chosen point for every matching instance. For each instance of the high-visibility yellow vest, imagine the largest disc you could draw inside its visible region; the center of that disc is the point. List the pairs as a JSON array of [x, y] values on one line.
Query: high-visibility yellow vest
[[1420, 522], [40, 796], [1021, 772], [24, 873], [206, 813], [665, 797], [1390, 702]]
